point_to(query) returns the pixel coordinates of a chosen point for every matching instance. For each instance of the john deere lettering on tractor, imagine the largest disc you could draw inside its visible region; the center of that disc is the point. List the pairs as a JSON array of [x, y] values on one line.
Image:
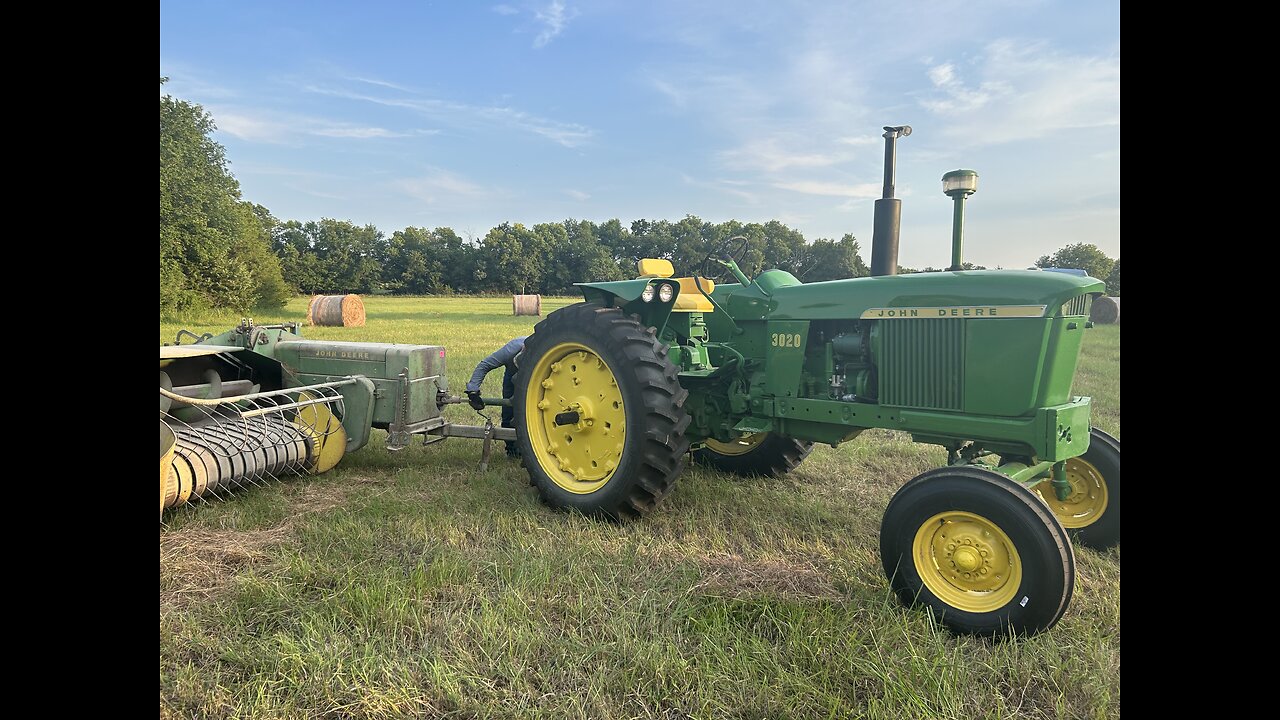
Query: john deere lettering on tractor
[[747, 375]]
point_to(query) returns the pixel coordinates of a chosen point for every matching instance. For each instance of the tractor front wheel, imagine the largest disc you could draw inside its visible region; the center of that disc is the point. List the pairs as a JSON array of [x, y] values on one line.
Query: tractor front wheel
[[763, 453], [599, 413], [1091, 513], [979, 550]]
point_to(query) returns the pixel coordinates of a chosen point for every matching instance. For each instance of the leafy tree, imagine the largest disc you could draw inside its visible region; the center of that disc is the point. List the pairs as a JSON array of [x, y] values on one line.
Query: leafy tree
[[832, 260], [1113, 280], [514, 259], [214, 247], [1081, 256], [331, 256]]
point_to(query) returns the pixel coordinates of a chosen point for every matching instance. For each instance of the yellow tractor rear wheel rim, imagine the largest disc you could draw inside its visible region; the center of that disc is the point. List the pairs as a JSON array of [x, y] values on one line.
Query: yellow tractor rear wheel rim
[[967, 561], [741, 446], [1088, 499], [580, 456]]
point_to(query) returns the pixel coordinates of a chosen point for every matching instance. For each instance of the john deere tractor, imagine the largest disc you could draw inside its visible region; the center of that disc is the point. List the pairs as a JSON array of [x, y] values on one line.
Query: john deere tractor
[[614, 392]]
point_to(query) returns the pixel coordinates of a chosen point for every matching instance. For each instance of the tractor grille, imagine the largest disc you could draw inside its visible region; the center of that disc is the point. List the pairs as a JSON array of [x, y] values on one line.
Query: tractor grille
[[922, 363], [1078, 305]]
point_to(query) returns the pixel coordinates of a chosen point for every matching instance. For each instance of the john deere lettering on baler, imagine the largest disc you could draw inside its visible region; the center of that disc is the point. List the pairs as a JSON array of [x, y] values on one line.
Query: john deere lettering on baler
[[615, 391]]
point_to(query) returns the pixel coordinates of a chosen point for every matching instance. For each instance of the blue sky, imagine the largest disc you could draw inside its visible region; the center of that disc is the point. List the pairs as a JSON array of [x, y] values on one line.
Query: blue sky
[[469, 114]]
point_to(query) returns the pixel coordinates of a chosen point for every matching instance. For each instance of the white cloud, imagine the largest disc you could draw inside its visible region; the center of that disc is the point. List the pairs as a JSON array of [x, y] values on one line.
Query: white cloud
[[359, 133], [465, 115], [955, 97], [728, 187], [504, 9], [554, 18], [577, 195], [1024, 90], [857, 191], [778, 152], [256, 125], [438, 186]]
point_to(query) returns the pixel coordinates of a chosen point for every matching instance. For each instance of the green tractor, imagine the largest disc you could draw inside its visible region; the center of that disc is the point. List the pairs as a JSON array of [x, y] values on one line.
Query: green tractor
[[613, 393]]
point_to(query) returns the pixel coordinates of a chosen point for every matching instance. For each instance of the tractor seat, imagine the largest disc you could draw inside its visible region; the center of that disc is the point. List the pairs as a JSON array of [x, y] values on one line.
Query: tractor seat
[[689, 299]]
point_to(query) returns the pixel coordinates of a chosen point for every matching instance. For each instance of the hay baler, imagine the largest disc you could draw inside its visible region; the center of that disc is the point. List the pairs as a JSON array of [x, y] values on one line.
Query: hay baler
[[259, 403], [615, 391]]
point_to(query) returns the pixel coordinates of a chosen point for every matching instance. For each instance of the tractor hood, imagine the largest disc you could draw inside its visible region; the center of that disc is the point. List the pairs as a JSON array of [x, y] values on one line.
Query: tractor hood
[[1032, 292]]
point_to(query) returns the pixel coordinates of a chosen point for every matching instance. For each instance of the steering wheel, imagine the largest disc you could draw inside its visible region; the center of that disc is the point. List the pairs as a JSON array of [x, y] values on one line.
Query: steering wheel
[[719, 270]]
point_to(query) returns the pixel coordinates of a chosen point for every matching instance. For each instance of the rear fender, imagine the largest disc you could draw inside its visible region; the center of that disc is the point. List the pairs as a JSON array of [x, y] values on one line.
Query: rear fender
[[626, 294]]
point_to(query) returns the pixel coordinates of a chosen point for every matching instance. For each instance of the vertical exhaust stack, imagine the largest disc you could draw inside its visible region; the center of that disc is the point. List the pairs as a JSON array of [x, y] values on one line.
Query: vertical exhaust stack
[[888, 216]]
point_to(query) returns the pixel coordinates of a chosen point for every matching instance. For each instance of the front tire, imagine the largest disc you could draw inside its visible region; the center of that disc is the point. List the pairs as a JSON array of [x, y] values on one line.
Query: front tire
[[979, 550], [599, 413], [1091, 514], [761, 454]]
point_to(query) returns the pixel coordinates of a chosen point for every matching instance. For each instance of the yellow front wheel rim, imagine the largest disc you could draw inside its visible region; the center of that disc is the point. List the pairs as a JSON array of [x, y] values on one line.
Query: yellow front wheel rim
[[571, 381], [741, 446], [967, 561], [1087, 501]]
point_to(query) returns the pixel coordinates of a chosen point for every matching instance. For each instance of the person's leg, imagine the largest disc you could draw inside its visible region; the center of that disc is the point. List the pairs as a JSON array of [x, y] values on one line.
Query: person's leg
[[508, 412]]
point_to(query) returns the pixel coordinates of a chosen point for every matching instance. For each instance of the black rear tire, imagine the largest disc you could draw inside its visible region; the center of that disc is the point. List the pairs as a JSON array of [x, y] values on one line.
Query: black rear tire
[[646, 386], [771, 456], [956, 520]]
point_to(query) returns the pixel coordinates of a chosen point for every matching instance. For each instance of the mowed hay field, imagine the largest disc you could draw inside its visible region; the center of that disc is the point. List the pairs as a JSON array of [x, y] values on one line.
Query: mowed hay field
[[411, 585]]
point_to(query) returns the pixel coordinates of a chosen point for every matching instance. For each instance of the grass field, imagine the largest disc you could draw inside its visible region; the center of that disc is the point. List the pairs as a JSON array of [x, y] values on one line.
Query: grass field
[[410, 584]]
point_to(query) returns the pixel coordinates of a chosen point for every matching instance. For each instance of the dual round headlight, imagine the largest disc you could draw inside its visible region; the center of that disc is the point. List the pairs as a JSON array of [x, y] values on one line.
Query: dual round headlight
[[665, 292]]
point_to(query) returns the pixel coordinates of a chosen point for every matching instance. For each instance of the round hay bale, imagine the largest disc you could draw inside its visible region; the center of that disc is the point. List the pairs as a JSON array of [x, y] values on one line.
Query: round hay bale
[[1106, 310], [336, 311], [526, 304]]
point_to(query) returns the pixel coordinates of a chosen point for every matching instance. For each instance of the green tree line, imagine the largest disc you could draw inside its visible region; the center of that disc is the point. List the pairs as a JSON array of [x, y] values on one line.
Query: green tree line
[[219, 250], [338, 256]]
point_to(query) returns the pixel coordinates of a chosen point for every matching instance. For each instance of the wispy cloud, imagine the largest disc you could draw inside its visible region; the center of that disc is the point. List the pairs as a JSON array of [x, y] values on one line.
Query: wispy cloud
[[439, 186], [857, 191], [554, 18], [466, 115], [1024, 90], [955, 97], [733, 188], [778, 152], [577, 195], [379, 83], [504, 9], [255, 125]]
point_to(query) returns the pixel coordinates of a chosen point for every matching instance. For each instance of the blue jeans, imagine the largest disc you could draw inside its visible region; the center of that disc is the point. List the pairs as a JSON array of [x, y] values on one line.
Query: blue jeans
[[509, 412]]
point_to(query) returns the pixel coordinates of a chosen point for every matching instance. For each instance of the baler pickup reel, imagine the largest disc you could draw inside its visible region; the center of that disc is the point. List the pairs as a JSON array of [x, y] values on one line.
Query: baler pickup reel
[[259, 404]]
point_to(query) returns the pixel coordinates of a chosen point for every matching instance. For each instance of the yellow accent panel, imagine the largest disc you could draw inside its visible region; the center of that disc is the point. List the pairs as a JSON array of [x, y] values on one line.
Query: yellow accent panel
[[967, 561], [690, 300], [655, 268], [579, 456], [1088, 499]]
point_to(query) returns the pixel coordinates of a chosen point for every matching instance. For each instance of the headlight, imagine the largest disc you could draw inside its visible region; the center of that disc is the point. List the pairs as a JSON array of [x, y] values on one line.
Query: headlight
[[647, 295], [665, 292]]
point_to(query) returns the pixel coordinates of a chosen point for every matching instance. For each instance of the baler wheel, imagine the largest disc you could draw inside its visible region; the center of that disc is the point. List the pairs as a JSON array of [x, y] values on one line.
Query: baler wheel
[[1091, 514], [761, 454], [599, 413], [980, 551]]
